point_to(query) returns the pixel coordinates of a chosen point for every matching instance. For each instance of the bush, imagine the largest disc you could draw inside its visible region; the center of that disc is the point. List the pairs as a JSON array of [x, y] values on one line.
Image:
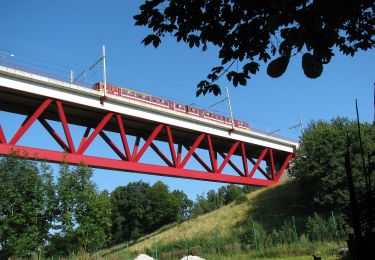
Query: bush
[[319, 229], [241, 198]]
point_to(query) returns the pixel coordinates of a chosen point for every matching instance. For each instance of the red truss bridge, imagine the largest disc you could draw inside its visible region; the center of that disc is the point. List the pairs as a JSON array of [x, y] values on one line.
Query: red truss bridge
[[176, 137]]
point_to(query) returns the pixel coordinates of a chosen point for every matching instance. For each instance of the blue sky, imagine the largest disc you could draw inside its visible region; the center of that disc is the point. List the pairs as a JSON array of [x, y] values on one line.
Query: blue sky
[[59, 36]]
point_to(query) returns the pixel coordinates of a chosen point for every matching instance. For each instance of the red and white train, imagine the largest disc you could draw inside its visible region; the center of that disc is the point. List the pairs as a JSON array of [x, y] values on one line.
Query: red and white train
[[171, 105]]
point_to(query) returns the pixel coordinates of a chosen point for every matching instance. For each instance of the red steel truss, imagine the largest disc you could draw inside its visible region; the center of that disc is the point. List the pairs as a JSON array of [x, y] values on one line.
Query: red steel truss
[[129, 159]]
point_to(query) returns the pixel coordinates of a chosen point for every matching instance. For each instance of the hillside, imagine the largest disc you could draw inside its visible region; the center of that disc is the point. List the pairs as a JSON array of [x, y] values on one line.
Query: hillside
[[270, 207]]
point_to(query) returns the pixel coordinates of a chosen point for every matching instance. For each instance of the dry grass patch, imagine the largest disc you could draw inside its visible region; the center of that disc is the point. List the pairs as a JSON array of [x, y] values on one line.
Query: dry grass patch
[[223, 219]]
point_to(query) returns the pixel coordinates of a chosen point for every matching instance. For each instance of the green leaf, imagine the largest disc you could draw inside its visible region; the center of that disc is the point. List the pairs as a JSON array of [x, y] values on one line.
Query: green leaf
[[252, 67], [277, 67], [151, 38], [312, 67]]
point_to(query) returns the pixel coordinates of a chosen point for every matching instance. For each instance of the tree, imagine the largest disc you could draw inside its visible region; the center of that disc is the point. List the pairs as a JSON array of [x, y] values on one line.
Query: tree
[[230, 192], [27, 202], [84, 212], [214, 200], [251, 32], [184, 204], [200, 206], [139, 208], [130, 206], [320, 166], [164, 207]]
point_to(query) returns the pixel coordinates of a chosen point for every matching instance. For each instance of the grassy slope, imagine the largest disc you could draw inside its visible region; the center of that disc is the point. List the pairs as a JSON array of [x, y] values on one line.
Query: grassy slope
[[270, 206]]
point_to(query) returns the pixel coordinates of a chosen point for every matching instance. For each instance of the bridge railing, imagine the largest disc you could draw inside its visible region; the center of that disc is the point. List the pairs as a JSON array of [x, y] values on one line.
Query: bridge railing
[[42, 73]]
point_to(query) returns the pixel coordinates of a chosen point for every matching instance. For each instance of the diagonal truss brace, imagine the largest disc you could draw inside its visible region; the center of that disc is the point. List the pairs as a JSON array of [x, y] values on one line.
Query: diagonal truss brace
[[129, 161]]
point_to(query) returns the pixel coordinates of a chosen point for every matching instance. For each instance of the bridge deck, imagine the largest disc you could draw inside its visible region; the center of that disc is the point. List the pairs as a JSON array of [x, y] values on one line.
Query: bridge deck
[[22, 92]]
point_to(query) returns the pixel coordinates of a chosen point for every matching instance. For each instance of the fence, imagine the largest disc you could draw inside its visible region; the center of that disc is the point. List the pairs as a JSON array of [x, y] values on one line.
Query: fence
[[297, 236]]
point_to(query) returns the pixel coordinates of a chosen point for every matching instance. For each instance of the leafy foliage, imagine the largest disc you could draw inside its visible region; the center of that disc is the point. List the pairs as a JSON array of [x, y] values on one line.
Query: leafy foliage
[[83, 218], [319, 166], [139, 208], [163, 206], [184, 204], [215, 200], [320, 229], [129, 206], [27, 202], [255, 31]]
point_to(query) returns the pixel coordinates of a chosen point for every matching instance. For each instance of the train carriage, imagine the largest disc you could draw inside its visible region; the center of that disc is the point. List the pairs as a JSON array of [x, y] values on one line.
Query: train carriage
[[194, 111]]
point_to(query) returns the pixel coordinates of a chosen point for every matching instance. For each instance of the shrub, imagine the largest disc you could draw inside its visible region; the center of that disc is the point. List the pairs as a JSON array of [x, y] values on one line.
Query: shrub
[[318, 228], [241, 198]]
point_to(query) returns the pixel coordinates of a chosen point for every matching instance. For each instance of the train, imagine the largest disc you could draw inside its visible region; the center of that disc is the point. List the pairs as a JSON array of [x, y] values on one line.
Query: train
[[170, 105]]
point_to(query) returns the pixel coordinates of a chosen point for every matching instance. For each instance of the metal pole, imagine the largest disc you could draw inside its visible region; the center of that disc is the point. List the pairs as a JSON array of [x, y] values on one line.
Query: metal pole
[[127, 251], [104, 72], [255, 238], [71, 76], [335, 227], [295, 230], [301, 124], [156, 249], [186, 246], [230, 107]]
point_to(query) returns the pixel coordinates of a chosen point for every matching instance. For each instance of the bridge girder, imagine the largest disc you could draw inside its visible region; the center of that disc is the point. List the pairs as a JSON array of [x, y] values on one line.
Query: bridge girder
[[129, 157]]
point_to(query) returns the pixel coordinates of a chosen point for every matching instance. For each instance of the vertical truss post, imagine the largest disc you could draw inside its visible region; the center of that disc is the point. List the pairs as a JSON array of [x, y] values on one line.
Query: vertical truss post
[[65, 126], [136, 146], [213, 156], [171, 145], [244, 159], [123, 137], [273, 173], [2, 136], [84, 137], [179, 155]]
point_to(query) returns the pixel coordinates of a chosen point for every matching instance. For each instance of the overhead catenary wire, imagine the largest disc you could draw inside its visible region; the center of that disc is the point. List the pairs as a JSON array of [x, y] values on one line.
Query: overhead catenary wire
[[93, 76], [217, 103]]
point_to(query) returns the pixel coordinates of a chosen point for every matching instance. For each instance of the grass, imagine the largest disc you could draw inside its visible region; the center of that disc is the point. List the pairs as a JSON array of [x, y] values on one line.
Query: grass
[[246, 257], [269, 206], [224, 218]]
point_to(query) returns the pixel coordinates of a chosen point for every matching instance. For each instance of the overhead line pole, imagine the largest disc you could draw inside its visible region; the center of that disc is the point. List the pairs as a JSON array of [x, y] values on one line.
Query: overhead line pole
[[104, 72], [373, 122], [230, 107], [301, 124]]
